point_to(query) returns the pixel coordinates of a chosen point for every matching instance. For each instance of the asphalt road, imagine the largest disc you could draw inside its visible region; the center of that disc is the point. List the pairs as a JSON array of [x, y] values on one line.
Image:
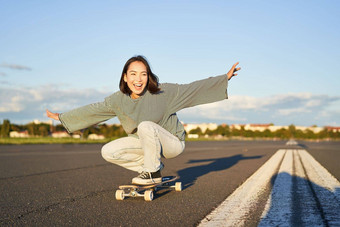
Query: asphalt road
[[43, 185]]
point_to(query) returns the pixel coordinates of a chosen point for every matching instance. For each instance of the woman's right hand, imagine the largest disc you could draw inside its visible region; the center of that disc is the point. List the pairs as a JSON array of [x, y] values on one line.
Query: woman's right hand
[[54, 116]]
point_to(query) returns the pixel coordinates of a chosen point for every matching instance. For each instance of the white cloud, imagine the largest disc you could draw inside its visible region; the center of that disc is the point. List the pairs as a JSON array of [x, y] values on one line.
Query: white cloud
[[287, 112], [15, 66], [10, 107], [299, 108], [313, 103], [27, 103]]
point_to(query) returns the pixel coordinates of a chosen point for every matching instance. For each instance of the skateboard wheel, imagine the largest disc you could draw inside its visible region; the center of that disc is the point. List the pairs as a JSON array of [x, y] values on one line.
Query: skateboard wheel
[[178, 186], [148, 195], [120, 195]]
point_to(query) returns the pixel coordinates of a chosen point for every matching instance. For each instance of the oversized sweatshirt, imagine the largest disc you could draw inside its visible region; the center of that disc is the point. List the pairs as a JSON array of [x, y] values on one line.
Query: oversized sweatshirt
[[160, 108]]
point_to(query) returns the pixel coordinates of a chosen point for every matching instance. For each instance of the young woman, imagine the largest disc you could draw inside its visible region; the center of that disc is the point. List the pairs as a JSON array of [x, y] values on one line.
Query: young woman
[[147, 112]]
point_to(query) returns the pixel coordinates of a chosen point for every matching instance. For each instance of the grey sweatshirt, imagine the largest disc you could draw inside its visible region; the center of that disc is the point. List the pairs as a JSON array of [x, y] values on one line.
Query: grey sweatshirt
[[160, 108]]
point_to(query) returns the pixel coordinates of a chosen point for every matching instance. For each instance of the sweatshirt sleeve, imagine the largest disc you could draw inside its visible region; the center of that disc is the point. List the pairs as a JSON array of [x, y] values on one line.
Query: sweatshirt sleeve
[[86, 116], [204, 91]]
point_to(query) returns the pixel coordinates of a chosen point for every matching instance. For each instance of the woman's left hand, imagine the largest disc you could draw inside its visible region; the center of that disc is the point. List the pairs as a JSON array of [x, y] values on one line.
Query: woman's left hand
[[54, 116], [232, 71]]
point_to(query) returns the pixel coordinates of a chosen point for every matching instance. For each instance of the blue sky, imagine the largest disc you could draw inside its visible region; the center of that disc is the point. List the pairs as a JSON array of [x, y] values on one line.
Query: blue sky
[[64, 54]]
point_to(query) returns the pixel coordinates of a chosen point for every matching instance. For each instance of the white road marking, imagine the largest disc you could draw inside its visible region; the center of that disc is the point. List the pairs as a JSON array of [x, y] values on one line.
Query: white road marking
[[303, 193], [234, 210], [291, 202], [277, 210], [326, 188]]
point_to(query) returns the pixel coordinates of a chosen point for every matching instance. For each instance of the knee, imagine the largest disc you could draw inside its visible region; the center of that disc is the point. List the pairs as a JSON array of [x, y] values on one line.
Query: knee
[[105, 151], [109, 151], [145, 126]]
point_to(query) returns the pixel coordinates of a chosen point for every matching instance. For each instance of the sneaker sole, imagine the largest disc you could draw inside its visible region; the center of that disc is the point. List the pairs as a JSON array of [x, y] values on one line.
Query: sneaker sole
[[147, 182]]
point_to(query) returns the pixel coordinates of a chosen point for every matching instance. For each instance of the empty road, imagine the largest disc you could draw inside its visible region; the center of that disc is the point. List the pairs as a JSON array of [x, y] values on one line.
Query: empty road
[[62, 185]]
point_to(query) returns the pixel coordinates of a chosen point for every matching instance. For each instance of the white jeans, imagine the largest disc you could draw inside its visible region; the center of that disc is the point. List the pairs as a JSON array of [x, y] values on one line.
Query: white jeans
[[143, 153]]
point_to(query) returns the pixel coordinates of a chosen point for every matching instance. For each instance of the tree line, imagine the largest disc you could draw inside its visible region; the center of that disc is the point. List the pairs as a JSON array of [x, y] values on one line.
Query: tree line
[[43, 129], [111, 131], [291, 132]]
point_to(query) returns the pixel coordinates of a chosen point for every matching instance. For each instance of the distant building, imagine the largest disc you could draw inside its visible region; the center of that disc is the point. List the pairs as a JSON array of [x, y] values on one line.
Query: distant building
[[76, 136], [333, 129], [96, 137], [37, 122], [16, 134], [193, 136], [60, 135], [237, 126], [313, 129], [257, 127], [273, 128], [203, 126]]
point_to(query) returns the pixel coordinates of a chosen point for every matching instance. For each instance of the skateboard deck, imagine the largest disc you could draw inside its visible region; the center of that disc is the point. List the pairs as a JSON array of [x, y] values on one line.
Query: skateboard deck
[[147, 191]]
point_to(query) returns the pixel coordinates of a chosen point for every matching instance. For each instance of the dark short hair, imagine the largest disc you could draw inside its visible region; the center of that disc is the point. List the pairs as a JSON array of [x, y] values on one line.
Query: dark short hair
[[152, 85]]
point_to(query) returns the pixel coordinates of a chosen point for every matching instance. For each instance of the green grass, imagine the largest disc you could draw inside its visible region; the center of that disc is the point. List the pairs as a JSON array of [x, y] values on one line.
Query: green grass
[[49, 140]]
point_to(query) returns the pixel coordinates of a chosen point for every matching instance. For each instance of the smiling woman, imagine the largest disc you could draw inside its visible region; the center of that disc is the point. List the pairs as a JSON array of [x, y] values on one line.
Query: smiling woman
[[147, 112]]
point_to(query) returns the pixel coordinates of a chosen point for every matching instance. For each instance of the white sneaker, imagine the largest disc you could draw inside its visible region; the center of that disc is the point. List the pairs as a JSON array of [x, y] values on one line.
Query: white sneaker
[[146, 178]]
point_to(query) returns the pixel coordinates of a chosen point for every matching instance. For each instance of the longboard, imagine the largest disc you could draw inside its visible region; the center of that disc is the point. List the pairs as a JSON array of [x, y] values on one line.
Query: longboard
[[147, 191]]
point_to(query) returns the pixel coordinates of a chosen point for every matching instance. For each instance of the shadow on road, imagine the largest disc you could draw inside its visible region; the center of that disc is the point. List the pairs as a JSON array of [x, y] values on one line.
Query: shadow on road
[[189, 175], [303, 145]]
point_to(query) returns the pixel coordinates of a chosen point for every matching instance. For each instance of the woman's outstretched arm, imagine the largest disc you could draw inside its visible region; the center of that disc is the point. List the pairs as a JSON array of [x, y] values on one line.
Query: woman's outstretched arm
[[199, 92], [85, 116]]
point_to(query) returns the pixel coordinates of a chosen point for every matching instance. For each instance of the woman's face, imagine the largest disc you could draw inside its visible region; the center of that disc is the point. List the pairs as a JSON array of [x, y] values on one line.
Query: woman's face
[[136, 79]]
